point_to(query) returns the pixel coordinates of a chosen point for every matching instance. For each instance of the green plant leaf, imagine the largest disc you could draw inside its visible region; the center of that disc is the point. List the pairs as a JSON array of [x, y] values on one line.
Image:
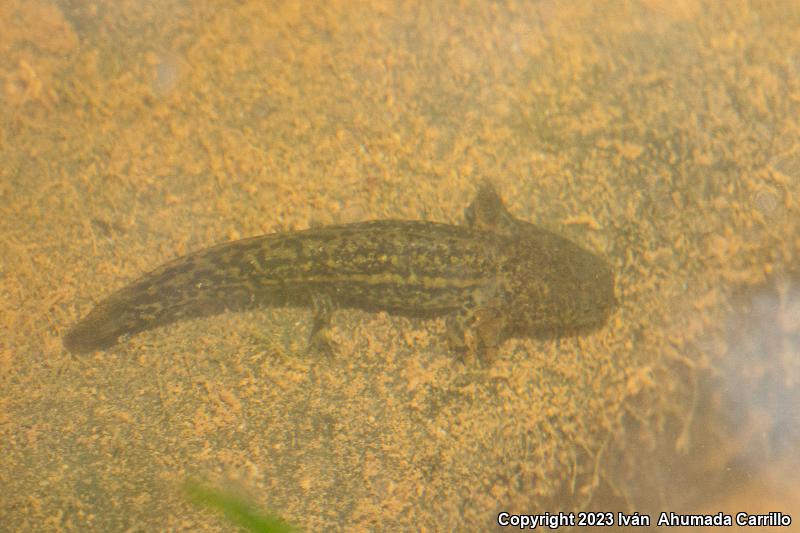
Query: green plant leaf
[[237, 510]]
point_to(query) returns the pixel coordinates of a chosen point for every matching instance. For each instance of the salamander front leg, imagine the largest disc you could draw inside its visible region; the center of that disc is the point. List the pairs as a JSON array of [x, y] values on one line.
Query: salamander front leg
[[487, 212], [457, 325], [476, 332], [319, 338]]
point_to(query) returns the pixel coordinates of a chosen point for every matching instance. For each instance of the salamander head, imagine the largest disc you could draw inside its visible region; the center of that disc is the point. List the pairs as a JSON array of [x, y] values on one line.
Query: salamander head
[[555, 287], [563, 288]]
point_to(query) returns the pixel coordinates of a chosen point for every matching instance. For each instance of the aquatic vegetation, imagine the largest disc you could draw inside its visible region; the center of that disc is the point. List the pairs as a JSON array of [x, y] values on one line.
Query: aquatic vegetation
[[235, 509]]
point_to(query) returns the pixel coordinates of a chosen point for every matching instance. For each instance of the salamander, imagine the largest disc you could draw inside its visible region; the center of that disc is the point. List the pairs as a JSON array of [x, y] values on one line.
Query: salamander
[[492, 278]]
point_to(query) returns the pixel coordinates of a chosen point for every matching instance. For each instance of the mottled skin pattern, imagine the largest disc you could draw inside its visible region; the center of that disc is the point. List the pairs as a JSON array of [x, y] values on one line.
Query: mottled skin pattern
[[494, 278]]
